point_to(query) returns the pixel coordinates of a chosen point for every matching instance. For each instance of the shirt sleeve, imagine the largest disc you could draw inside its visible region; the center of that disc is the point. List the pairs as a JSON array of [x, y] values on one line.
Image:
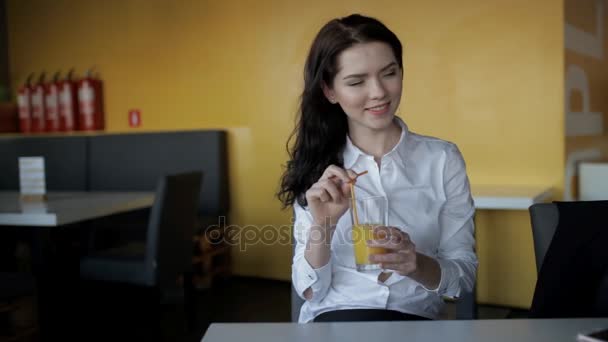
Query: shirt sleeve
[[303, 275], [456, 254]]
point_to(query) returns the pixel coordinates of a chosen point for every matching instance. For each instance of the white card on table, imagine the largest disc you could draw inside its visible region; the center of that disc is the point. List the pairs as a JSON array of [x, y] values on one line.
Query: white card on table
[[31, 176]]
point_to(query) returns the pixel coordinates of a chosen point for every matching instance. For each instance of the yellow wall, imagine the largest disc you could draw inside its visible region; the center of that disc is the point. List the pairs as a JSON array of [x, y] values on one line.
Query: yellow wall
[[487, 75]]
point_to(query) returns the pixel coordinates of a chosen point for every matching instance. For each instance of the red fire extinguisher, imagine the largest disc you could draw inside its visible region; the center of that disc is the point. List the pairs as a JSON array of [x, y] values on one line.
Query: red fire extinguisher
[[23, 101], [37, 103], [51, 104], [68, 103], [90, 100]]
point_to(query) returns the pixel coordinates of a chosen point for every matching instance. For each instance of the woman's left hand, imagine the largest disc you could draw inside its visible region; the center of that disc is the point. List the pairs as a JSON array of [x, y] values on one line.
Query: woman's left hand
[[400, 255]]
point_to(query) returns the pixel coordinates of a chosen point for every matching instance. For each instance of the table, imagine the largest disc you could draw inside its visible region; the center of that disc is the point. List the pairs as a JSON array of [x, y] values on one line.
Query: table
[[63, 208], [533, 330], [509, 197], [58, 280]]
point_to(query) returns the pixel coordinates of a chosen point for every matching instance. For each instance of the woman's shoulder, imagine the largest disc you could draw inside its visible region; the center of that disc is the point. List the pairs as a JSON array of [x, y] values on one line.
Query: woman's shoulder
[[429, 150], [430, 143]]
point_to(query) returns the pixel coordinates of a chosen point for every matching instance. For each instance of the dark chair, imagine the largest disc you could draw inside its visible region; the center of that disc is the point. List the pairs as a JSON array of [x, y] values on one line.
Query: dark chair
[[544, 218], [166, 254], [17, 309], [571, 259]]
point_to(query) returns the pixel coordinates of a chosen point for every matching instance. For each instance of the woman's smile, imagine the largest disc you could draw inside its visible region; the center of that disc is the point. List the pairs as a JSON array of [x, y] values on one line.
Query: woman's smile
[[380, 109]]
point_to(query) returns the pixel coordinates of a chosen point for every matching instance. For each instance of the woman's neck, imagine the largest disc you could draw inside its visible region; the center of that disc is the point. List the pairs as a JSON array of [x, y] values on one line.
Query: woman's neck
[[375, 142]]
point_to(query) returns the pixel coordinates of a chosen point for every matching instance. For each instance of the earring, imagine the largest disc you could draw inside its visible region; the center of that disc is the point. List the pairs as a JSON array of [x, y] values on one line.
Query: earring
[[333, 101]]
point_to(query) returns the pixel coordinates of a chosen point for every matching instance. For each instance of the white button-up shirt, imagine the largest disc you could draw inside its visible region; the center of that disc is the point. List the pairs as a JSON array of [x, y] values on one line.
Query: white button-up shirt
[[427, 190]]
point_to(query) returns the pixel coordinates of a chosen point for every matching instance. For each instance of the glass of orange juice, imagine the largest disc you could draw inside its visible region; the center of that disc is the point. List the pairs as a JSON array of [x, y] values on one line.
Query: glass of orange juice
[[367, 213]]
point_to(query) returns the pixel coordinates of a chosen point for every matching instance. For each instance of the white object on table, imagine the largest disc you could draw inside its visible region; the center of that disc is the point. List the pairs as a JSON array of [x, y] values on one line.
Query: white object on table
[[592, 181], [509, 197], [68, 207], [32, 180], [507, 330]]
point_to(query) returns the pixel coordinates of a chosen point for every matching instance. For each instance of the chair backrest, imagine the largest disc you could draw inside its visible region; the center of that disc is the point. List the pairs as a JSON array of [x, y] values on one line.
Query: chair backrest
[[171, 227], [573, 262], [544, 218]]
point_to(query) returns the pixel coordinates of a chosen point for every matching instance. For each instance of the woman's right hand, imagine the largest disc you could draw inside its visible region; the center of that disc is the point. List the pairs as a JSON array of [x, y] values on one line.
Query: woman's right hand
[[329, 197]]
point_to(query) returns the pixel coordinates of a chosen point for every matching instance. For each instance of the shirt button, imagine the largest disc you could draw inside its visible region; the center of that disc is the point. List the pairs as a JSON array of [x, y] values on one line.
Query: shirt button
[[310, 276]]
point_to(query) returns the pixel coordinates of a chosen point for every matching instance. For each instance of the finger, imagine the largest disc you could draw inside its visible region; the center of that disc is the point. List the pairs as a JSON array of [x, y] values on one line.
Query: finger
[[388, 258], [402, 248], [337, 173], [388, 244], [332, 189], [351, 174], [391, 233], [317, 194], [347, 186], [381, 232], [400, 233]]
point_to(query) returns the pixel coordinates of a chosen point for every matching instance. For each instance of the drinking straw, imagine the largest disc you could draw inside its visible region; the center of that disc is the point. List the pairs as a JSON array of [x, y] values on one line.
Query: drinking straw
[[354, 203], [352, 196], [352, 180]]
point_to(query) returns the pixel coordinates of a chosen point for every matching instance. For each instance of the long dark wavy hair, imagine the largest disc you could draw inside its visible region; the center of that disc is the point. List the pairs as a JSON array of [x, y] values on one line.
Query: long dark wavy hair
[[321, 129]]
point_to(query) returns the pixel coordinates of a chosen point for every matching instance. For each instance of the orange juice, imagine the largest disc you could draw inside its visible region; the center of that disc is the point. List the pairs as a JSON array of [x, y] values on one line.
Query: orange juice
[[368, 209], [362, 233]]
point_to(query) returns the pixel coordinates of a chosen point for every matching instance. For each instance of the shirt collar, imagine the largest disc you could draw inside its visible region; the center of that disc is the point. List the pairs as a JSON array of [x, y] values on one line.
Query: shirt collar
[[352, 152]]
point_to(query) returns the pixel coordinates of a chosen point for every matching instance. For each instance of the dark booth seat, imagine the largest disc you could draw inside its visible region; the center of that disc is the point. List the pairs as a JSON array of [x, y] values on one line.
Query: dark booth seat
[[135, 162], [65, 160], [125, 162]]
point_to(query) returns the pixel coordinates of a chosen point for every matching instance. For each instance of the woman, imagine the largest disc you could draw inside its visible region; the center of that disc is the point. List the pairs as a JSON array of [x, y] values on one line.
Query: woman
[[352, 89]]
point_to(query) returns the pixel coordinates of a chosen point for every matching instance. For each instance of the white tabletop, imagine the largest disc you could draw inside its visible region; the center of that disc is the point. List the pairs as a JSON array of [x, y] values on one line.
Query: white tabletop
[[509, 197], [533, 330], [68, 207]]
